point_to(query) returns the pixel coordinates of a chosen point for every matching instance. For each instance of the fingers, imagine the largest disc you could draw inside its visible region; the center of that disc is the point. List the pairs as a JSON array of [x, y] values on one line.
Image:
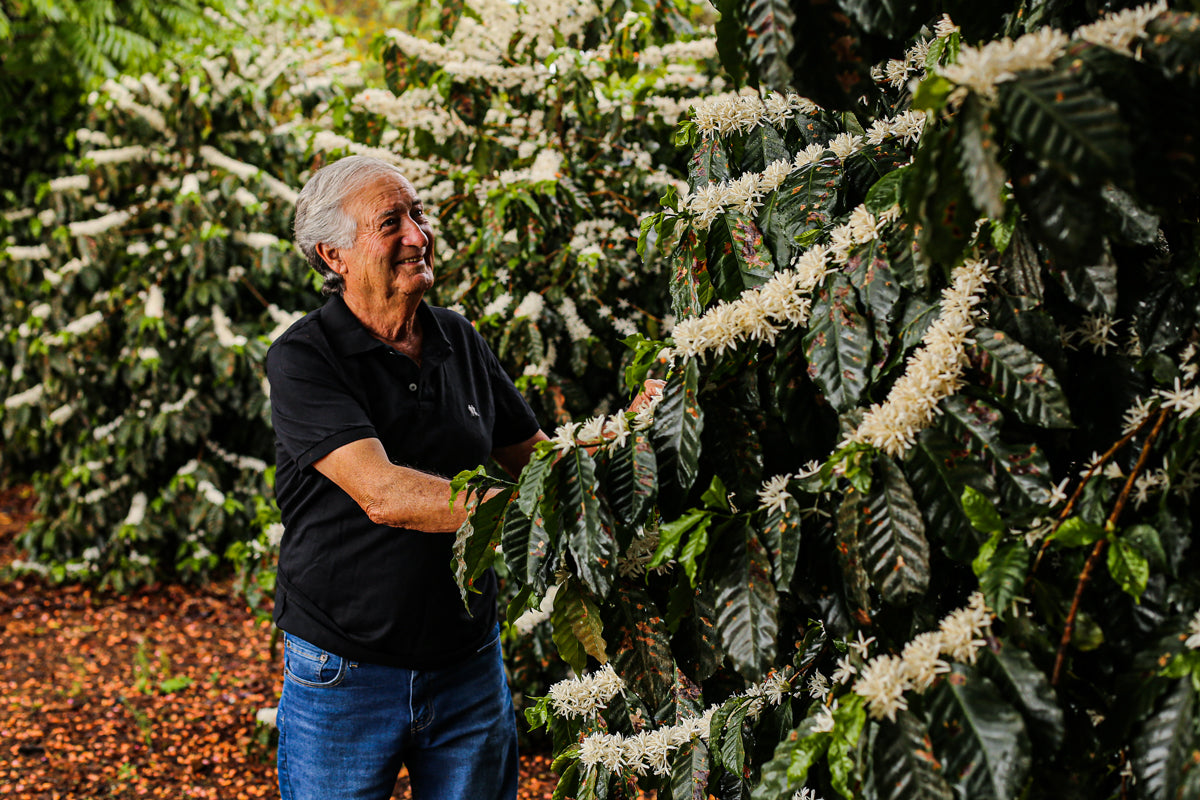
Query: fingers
[[650, 388]]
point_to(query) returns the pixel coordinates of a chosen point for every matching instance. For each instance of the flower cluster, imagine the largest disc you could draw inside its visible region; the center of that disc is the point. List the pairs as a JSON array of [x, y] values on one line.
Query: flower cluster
[[883, 680], [651, 750], [745, 111], [745, 194], [587, 695], [932, 373], [982, 69], [783, 301]]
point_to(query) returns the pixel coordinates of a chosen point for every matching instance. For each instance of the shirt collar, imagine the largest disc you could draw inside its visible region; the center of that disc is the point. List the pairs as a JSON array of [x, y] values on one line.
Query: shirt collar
[[349, 337]]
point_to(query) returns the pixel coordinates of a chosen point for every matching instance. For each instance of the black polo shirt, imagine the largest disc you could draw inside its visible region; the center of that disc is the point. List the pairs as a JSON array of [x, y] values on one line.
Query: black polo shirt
[[366, 591]]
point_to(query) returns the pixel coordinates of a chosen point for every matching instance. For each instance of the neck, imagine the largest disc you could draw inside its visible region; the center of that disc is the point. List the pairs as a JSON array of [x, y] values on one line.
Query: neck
[[396, 325]]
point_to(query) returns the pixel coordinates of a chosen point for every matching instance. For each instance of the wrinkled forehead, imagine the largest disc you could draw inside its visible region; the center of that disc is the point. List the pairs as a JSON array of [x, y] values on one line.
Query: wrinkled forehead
[[382, 193]]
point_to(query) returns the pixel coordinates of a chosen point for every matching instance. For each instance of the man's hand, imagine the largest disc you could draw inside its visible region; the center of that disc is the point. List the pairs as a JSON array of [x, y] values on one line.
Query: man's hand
[[650, 388]]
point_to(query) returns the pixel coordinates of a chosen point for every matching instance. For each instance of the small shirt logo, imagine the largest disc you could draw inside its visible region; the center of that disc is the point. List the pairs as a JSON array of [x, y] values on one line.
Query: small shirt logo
[[474, 412]]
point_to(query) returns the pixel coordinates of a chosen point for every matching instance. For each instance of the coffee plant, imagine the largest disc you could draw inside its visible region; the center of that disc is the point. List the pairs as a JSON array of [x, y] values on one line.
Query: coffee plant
[[913, 516]]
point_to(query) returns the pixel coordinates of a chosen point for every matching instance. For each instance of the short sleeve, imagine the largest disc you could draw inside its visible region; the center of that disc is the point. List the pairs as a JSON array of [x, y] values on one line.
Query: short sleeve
[[515, 421], [313, 410]]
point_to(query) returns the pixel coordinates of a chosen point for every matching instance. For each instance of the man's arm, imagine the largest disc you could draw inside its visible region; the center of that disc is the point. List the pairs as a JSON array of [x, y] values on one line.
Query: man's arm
[[389, 494], [514, 457]]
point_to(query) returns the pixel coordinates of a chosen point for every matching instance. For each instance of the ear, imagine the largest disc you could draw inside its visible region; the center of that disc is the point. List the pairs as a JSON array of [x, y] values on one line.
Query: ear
[[333, 257]]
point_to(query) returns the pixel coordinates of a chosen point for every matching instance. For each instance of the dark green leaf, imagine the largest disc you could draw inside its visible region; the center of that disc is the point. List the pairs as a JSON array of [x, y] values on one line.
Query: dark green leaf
[[591, 544], [849, 548], [1063, 217], [643, 654], [747, 605], [689, 772], [1021, 380], [1023, 467], [878, 287], [1147, 542], [885, 192], [781, 536], [691, 288], [981, 739], [895, 551], [905, 765], [1066, 124], [838, 344], [709, 163], [939, 473], [763, 144], [726, 733], [1092, 287], [632, 479], [737, 258], [1028, 688], [979, 154], [1163, 742], [532, 483], [678, 421], [803, 203], [526, 547]]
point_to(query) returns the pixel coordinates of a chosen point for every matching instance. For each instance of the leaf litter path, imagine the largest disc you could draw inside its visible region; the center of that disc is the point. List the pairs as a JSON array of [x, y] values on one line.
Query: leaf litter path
[[151, 694]]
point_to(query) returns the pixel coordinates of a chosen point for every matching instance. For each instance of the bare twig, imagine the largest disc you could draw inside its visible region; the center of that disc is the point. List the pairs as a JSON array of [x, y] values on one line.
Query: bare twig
[[1098, 549], [1087, 476]]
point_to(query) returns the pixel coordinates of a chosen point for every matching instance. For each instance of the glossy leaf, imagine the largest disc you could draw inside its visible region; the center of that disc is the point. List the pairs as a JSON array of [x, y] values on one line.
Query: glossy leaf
[[1077, 532], [577, 629], [1023, 468], [804, 202], [689, 772], [632, 479], [788, 768], [1028, 688], [709, 163], [981, 739], [1002, 575], [678, 421], [849, 719], [895, 551], [1064, 123], [747, 606], [781, 536], [906, 767], [979, 153], [737, 257], [850, 555], [691, 288], [1128, 567], [878, 287], [1164, 740], [526, 546], [838, 344], [592, 545], [641, 649], [939, 472], [1021, 380]]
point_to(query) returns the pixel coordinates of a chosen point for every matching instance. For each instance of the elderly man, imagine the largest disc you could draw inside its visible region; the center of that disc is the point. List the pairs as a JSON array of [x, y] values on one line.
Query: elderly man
[[377, 398]]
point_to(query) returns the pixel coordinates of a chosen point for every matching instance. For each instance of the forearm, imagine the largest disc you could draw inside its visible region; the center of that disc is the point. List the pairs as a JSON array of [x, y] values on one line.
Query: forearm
[[393, 495], [408, 498]]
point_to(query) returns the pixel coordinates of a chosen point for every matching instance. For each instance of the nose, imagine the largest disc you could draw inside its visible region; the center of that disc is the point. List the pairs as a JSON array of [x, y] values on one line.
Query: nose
[[414, 236]]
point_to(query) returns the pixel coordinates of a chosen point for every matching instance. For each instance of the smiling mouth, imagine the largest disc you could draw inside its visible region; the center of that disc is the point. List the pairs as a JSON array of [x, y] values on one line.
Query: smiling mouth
[[414, 260]]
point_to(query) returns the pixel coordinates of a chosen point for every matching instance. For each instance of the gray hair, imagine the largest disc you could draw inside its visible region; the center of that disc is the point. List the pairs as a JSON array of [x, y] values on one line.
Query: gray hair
[[321, 216]]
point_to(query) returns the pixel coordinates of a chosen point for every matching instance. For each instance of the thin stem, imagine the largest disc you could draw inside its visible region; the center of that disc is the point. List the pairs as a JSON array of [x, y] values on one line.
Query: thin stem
[[1098, 549], [1087, 476]]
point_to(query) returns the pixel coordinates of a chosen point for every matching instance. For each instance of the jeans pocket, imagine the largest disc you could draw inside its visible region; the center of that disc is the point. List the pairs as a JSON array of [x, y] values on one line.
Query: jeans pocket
[[491, 643], [309, 665]]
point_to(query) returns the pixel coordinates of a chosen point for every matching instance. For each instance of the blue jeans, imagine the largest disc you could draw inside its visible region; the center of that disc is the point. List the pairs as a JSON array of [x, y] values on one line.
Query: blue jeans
[[345, 728]]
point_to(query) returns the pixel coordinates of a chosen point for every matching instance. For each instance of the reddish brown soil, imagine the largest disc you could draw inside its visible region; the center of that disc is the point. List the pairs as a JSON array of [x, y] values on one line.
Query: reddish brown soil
[[148, 694]]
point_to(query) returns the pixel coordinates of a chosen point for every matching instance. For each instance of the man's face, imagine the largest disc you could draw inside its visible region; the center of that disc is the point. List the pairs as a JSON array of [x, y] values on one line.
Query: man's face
[[393, 250]]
